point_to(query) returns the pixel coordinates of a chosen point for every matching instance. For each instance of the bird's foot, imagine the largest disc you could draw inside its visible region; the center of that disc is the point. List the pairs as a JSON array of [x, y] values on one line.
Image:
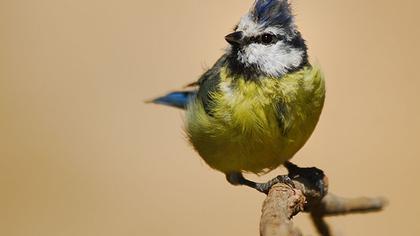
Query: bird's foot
[[281, 179], [314, 176], [237, 178]]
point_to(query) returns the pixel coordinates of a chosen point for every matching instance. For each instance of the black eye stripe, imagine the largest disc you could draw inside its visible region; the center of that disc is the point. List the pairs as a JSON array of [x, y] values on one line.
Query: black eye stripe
[[259, 39]]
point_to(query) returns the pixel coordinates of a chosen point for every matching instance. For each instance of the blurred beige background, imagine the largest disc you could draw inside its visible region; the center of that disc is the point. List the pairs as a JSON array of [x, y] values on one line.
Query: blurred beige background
[[81, 154]]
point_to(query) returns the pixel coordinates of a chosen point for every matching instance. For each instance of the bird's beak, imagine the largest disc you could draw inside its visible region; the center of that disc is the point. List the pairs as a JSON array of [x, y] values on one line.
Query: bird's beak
[[235, 38]]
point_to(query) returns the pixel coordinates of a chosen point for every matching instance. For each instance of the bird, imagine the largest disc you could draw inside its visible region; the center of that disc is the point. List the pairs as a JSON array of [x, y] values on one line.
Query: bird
[[257, 106]]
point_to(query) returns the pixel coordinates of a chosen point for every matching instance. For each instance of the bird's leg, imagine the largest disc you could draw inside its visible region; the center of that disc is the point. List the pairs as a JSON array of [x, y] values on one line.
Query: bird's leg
[[236, 178], [313, 175]]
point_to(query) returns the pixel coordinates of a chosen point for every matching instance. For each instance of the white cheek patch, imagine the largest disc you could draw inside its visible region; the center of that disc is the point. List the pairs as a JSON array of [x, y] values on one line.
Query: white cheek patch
[[274, 60]]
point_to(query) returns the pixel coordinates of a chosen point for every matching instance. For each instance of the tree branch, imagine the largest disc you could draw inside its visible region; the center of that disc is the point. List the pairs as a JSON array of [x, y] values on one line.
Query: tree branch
[[283, 202]]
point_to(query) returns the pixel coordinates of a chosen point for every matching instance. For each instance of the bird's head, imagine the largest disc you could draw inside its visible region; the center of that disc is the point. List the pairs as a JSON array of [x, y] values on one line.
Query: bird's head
[[266, 41]]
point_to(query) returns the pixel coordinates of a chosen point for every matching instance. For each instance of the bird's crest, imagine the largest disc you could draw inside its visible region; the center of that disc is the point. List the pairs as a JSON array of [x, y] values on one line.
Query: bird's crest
[[272, 13]]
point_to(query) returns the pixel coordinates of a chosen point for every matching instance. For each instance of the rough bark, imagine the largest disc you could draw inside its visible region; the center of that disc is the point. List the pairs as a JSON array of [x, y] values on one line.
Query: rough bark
[[284, 201]]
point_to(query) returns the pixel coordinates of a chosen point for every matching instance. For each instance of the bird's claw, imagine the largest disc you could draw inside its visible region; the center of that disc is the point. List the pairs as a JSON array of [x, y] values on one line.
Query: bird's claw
[[281, 179]]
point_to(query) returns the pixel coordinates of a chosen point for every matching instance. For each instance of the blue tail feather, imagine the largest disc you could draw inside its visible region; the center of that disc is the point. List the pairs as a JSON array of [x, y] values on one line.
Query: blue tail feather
[[175, 99]]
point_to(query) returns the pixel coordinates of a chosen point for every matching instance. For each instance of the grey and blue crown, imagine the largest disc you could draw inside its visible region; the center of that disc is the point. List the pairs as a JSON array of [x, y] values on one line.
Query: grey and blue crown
[[272, 13]]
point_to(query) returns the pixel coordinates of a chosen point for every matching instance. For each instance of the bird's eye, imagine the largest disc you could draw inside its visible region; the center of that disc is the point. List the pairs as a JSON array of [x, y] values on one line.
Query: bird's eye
[[267, 38]]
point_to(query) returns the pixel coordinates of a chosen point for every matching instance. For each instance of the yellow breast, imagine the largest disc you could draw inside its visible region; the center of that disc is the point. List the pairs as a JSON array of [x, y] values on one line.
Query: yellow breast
[[255, 126]]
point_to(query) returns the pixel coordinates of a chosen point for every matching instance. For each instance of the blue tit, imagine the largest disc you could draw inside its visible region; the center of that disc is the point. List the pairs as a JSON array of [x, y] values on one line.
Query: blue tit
[[259, 103]]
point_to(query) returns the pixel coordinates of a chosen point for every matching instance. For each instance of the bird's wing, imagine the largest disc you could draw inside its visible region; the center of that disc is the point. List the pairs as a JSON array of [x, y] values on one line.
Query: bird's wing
[[209, 84], [200, 89]]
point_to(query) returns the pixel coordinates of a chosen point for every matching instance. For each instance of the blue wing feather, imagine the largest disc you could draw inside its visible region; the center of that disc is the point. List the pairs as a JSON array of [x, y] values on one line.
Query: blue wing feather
[[175, 99]]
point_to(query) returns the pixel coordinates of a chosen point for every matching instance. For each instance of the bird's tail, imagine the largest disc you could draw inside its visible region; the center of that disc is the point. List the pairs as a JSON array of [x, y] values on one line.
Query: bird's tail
[[175, 99]]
